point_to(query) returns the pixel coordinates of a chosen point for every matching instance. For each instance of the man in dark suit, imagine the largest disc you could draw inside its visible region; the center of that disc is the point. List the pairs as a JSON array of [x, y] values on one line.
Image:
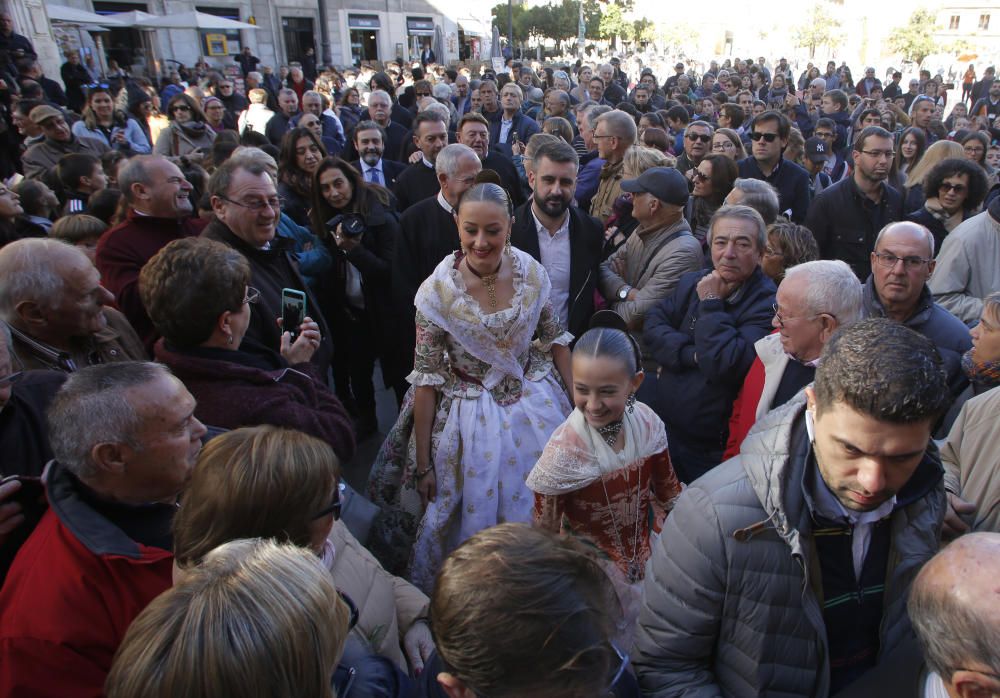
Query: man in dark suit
[[427, 56], [462, 99], [567, 241], [428, 233], [474, 131], [419, 181], [369, 140]]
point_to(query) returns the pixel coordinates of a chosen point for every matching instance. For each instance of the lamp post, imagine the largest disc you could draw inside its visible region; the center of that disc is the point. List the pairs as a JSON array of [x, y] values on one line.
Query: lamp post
[[324, 35]]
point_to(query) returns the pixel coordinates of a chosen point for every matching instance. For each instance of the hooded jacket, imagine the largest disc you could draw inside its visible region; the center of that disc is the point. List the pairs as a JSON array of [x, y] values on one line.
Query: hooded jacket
[[732, 593]]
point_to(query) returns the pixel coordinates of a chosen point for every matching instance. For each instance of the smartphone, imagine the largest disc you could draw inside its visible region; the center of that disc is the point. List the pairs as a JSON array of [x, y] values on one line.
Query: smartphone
[[31, 494], [293, 310]]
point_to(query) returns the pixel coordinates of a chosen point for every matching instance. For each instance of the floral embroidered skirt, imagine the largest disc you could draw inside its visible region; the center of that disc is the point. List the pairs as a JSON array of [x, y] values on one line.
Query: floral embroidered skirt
[[482, 452]]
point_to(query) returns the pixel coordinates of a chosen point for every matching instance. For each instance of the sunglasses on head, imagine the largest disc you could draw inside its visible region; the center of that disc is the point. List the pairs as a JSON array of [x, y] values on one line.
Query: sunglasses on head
[[768, 137], [698, 137]]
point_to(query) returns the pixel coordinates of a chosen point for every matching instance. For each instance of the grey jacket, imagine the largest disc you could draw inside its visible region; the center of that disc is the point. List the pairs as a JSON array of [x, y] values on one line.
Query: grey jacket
[[731, 603]]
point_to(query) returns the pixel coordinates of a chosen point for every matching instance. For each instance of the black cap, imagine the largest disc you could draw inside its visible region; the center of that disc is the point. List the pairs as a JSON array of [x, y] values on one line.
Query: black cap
[[817, 149], [665, 183]]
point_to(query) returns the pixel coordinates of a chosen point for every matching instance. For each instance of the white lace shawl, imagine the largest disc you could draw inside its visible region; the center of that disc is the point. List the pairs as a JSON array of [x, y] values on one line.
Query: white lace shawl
[[577, 455], [443, 300]]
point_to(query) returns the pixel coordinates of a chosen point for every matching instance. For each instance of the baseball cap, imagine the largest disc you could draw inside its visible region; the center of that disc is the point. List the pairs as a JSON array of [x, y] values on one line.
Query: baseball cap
[[665, 183], [816, 149], [43, 112]]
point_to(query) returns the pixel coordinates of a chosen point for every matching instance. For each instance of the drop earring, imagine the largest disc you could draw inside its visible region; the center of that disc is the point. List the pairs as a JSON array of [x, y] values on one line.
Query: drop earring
[[506, 247], [630, 403]]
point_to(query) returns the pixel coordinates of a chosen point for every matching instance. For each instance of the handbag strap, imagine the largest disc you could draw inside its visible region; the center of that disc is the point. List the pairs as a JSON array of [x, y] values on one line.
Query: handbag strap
[[659, 246]]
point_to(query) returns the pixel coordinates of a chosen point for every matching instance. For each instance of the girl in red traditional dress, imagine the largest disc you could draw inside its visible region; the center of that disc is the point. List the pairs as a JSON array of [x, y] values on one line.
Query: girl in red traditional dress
[[605, 473]]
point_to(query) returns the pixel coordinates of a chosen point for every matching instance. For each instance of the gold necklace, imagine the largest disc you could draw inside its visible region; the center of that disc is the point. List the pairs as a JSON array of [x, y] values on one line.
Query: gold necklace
[[489, 281]]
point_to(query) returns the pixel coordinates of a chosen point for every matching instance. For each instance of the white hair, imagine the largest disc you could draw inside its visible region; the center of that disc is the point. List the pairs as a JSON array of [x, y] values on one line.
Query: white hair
[[831, 288], [450, 158], [439, 109], [379, 93], [27, 273]]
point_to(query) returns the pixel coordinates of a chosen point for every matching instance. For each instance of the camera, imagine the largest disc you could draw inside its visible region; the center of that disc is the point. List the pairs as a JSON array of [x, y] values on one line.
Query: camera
[[352, 225]]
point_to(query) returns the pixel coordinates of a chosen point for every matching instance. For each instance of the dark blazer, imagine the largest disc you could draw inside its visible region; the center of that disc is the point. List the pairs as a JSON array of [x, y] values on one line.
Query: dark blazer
[[416, 183], [508, 176], [525, 126], [390, 170], [586, 240]]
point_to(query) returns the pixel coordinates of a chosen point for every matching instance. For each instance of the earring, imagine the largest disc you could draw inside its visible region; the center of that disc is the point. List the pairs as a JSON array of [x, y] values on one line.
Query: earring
[[229, 339], [630, 403], [506, 247]]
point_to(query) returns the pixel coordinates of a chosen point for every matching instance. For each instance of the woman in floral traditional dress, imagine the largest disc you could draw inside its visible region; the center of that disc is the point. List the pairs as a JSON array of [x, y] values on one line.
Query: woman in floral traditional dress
[[485, 397], [606, 469]]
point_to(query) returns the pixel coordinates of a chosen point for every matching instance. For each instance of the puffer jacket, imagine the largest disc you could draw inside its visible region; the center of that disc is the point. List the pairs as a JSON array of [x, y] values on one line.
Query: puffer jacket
[[731, 602], [387, 606]]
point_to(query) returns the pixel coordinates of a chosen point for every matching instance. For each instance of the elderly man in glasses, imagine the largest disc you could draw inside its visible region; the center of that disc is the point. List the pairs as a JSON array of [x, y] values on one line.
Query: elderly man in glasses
[[247, 209], [902, 262], [845, 218]]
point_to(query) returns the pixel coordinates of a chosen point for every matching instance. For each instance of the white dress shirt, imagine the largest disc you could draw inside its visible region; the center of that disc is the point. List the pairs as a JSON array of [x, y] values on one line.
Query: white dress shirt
[[555, 254]]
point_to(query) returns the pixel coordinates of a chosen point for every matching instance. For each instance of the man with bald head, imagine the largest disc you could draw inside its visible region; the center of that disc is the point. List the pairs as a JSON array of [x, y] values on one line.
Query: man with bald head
[[60, 317], [955, 609], [159, 211], [902, 262]]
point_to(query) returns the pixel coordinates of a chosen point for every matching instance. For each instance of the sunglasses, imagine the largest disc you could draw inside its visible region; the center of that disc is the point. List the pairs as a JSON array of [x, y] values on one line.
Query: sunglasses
[[768, 137], [957, 188], [698, 137], [181, 107], [701, 176]]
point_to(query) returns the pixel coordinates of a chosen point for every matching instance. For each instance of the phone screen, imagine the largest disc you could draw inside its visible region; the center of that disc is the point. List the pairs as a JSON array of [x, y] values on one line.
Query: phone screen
[[293, 311]]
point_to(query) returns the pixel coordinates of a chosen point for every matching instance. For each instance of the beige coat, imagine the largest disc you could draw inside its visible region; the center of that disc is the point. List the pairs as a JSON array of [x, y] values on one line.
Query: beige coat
[[387, 605], [972, 461]]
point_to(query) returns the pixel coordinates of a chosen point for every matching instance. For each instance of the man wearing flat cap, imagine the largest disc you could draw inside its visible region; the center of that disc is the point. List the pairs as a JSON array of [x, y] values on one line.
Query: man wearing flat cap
[[644, 270], [58, 140]]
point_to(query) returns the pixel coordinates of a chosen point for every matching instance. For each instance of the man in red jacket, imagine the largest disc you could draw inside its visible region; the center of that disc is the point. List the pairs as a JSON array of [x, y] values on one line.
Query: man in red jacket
[[159, 211], [813, 300], [125, 440]]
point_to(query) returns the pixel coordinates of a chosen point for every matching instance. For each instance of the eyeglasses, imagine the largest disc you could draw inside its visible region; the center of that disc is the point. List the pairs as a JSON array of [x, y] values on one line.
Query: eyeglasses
[[97, 86], [252, 295], [603, 135], [259, 205], [948, 186], [724, 145], [423, 94], [180, 107], [333, 507], [879, 154], [768, 137], [888, 260], [771, 252], [697, 137], [16, 370], [351, 607], [782, 320], [701, 176]]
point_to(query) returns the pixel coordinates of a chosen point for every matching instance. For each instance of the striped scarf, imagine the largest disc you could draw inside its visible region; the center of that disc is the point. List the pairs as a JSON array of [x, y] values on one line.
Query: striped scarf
[[985, 374]]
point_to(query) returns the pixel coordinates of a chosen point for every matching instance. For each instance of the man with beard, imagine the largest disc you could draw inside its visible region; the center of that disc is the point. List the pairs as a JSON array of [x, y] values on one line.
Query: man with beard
[[159, 209], [59, 140], [369, 141], [474, 131], [846, 218], [567, 241]]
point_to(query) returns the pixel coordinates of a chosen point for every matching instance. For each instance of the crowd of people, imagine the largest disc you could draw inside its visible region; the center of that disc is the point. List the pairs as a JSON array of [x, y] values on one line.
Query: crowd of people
[[697, 377]]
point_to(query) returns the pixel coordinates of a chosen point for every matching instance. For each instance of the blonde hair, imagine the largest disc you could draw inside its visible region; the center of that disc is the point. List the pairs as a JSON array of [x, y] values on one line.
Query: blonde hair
[[935, 153], [256, 619], [261, 481], [77, 228], [639, 158]]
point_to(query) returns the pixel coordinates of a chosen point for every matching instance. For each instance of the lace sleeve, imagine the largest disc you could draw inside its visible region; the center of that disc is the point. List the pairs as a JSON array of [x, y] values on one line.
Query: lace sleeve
[[549, 331], [429, 355]]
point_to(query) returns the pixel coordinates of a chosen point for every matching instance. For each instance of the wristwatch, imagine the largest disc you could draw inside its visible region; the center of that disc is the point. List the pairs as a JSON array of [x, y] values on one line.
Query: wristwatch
[[623, 292]]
